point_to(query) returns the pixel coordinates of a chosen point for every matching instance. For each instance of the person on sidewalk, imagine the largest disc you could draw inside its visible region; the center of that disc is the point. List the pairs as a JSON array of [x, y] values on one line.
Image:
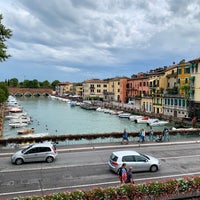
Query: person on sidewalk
[[130, 176], [143, 135], [151, 135], [122, 172], [125, 137]]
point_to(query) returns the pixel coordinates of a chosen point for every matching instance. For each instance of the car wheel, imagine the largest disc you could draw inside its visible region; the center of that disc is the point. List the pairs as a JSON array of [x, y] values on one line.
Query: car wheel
[[49, 159], [154, 168], [19, 161]]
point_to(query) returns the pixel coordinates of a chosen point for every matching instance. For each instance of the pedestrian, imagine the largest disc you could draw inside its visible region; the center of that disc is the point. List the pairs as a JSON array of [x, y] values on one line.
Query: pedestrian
[[140, 135], [143, 135], [125, 137], [166, 134], [130, 176], [122, 172], [151, 135]]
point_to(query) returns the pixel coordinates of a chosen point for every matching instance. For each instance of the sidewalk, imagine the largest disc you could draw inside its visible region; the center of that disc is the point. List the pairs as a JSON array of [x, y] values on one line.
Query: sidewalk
[[116, 145]]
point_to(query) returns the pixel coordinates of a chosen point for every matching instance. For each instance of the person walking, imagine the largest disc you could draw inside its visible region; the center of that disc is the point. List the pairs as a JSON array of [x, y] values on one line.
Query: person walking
[[166, 134], [125, 137], [122, 172], [130, 176], [151, 135], [140, 135], [143, 135]]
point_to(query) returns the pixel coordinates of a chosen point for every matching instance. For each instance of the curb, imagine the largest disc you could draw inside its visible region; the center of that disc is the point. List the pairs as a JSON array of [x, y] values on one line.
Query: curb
[[62, 149]]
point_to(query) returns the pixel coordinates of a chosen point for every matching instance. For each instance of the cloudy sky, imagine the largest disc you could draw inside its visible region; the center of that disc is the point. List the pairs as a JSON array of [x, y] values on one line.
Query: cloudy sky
[[77, 40]]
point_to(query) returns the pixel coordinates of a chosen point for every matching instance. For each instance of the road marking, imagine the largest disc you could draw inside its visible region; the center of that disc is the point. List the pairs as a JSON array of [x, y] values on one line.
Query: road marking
[[82, 165], [94, 184]]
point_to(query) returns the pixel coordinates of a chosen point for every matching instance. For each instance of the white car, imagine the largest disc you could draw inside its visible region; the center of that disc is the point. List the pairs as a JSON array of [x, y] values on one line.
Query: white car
[[139, 162], [35, 153]]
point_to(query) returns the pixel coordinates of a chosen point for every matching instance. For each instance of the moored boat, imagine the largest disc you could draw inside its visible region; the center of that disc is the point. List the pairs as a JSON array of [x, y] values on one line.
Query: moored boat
[[25, 131], [157, 122]]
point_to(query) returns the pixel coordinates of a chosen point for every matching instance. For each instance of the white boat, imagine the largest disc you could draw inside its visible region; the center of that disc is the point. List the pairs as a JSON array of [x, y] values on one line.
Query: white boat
[[15, 110], [124, 115], [35, 135], [22, 119], [135, 117], [142, 120], [157, 122], [116, 112], [15, 115], [17, 124]]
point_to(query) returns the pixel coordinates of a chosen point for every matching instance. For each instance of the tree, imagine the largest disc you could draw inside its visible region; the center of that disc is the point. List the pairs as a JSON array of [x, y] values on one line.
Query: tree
[[13, 82], [4, 35], [54, 83], [3, 92]]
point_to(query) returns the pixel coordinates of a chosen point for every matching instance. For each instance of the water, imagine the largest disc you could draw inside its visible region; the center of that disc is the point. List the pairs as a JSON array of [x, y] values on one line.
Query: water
[[57, 118]]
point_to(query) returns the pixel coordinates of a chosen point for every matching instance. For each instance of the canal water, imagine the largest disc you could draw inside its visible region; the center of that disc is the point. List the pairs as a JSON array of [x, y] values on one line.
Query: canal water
[[57, 117]]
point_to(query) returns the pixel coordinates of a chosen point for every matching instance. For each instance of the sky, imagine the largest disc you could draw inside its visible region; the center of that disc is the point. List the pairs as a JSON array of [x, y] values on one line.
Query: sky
[[78, 40]]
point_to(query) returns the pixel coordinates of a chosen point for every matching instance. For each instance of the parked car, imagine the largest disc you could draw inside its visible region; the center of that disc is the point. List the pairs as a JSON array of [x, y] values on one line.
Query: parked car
[[35, 153], [139, 162]]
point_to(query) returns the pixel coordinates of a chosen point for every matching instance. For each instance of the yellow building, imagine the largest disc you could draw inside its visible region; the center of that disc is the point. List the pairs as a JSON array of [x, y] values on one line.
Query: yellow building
[[194, 92], [157, 84], [183, 71], [95, 89], [114, 88]]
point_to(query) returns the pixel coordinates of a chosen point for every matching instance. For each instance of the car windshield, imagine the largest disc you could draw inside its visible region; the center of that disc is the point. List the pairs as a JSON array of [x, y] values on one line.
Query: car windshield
[[26, 148], [144, 156], [113, 157]]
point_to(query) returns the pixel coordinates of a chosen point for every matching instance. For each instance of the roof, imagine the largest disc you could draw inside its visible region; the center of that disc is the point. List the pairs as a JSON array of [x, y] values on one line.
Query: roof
[[128, 152]]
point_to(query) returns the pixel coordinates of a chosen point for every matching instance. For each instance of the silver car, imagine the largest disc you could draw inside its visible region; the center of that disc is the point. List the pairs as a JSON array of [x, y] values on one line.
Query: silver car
[[139, 162], [34, 153]]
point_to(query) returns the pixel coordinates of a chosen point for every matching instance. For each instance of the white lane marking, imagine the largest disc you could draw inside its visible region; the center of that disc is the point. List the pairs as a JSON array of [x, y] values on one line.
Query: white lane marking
[[95, 184], [81, 165]]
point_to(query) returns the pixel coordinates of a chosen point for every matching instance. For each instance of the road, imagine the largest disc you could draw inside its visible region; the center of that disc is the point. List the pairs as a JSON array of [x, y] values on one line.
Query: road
[[86, 169]]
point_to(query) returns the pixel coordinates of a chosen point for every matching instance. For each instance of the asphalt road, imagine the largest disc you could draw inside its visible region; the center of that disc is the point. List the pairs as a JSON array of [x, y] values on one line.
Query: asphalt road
[[86, 169]]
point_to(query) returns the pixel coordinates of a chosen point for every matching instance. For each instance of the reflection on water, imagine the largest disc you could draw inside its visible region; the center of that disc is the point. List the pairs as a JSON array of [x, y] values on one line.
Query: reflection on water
[[57, 117]]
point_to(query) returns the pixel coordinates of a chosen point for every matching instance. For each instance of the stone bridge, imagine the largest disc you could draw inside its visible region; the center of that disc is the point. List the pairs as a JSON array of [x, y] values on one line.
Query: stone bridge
[[30, 91]]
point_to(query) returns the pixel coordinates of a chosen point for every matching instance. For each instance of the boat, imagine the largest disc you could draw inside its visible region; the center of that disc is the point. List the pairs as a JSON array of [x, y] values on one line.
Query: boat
[[15, 110], [142, 120], [17, 124], [15, 115], [25, 131], [116, 112], [22, 119], [135, 117], [124, 115], [35, 135], [157, 122]]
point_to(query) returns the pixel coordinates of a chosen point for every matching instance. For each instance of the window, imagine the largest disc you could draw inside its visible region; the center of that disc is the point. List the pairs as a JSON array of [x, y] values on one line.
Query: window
[[104, 85], [98, 85], [44, 149], [186, 80], [186, 70], [175, 102], [33, 150], [128, 159], [179, 102], [179, 71], [140, 159]]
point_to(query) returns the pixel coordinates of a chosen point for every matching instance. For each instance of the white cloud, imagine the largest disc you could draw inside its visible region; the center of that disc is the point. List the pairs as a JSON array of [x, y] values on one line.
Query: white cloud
[[68, 69], [104, 33]]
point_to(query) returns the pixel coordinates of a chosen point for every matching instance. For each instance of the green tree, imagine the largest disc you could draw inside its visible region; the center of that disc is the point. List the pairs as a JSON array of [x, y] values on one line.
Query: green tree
[[13, 82], [45, 84], [3, 92], [4, 35], [54, 83]]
